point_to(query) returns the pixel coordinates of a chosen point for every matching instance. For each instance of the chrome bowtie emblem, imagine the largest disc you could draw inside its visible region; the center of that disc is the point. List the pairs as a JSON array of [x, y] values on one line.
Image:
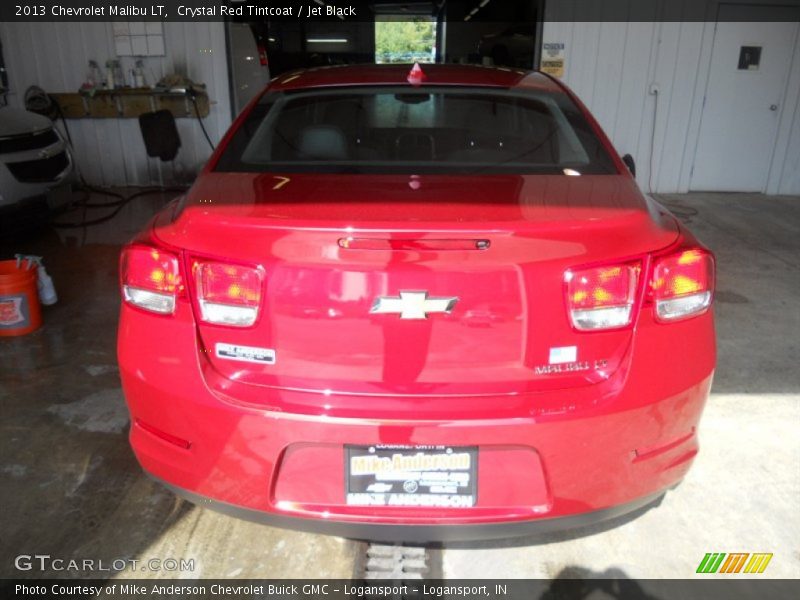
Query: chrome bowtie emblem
[[412, 305]]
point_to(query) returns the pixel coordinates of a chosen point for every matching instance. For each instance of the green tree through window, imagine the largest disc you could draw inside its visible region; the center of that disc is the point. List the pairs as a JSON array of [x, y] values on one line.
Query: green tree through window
[[405, 41]]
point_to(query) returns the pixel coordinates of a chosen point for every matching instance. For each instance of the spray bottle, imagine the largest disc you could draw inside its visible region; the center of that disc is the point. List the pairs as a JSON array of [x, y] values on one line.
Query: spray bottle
[[47, 291]]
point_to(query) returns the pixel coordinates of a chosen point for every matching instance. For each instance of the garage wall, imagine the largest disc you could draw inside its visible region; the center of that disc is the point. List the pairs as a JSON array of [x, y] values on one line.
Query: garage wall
[[611, 66], [55, 56], [787, 171]]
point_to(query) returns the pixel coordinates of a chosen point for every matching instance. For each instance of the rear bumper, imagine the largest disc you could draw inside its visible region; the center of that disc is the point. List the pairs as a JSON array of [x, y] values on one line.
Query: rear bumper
[[420, 533], [546, 461]]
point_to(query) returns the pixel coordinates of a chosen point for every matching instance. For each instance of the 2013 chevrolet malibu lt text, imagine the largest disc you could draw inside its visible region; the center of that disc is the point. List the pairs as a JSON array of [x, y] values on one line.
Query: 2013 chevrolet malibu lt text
[[416, 305]]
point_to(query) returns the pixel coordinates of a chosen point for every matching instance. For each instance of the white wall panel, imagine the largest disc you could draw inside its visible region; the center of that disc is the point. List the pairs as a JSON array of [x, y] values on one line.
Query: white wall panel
[[611, 65], [785, 173], [55, 56]]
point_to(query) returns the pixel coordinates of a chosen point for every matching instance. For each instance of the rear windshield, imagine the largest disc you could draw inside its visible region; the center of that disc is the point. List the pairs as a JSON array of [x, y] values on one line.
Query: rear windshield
[[415, 130]]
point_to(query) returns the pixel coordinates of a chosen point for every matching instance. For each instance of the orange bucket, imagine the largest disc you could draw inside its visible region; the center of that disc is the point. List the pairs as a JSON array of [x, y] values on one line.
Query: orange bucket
[[19, 298]]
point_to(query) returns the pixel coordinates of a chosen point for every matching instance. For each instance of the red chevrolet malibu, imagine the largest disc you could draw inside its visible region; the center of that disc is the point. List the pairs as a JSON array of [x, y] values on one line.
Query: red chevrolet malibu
[[416, 305]]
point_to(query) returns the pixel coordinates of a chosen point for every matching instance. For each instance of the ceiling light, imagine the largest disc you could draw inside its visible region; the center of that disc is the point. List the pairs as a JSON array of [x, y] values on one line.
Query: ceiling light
[[327, 40]]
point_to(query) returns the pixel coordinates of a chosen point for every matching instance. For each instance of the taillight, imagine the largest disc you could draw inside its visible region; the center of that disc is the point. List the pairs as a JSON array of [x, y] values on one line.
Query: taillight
[[228, 294], [602, 297], [683, 284], [151, 278]]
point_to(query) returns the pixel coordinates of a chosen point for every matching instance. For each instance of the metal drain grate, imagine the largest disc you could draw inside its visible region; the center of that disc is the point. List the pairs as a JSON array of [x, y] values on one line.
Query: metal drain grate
[[395, 561]]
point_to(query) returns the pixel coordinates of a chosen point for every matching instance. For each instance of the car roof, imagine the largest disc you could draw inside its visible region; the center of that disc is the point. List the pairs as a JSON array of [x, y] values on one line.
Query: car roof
[[394, 74]]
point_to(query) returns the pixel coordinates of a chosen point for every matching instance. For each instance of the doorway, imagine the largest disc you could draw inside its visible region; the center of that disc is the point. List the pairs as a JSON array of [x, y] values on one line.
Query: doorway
[[405, 40], [749, 69]]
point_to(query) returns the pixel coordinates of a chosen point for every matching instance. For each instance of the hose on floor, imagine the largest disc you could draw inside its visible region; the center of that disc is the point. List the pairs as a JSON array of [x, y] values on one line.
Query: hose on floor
[[117, 205]]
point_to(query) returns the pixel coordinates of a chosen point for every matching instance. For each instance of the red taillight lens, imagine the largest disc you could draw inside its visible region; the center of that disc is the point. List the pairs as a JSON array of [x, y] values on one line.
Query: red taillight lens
[[228, 294], [602, 297], [151, 278], [682, 284], [262, 55]]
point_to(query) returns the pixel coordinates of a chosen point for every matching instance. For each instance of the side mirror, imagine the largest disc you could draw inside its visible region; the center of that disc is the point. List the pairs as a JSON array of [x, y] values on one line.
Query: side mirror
[[630, 163]]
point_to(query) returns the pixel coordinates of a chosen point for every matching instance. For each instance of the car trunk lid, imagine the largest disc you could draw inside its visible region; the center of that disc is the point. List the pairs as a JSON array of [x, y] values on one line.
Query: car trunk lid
[[353, 261]]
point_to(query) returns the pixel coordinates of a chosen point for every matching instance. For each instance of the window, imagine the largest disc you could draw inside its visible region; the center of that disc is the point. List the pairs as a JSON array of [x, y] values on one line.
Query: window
[[139, 38], [405, 41], [391, 129]]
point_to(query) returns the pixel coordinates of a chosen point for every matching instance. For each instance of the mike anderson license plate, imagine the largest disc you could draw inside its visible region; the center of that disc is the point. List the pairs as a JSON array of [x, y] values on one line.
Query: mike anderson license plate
[[431, 476]]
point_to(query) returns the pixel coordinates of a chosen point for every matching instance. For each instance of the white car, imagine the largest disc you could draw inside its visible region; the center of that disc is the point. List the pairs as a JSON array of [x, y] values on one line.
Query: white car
[[36, 169]]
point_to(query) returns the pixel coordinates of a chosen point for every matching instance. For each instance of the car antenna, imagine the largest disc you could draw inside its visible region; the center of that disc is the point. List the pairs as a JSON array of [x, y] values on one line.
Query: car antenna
[[416, 76]]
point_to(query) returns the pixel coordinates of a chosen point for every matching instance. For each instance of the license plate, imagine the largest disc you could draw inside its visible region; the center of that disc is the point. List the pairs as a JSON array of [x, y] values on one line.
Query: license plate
[[425, 476]]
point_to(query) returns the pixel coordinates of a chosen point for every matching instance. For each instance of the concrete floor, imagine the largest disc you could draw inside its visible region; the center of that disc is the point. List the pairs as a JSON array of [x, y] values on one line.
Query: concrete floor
[[743, 492], [69, 484], [70, 487]]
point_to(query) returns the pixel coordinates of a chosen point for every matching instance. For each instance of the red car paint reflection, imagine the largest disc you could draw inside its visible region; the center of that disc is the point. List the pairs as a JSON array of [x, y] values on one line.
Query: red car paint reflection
[[365, 266]]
